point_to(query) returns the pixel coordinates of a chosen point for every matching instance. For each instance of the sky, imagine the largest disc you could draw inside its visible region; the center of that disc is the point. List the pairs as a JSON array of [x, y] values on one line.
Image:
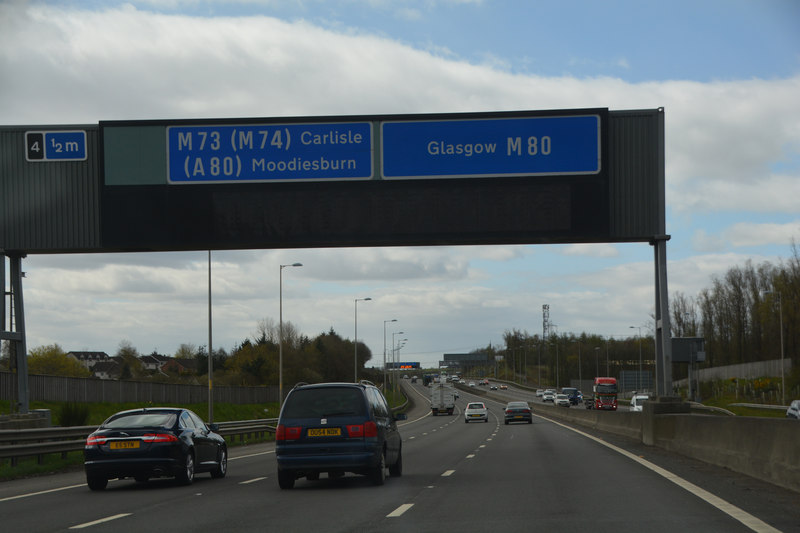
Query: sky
[[726, 72]]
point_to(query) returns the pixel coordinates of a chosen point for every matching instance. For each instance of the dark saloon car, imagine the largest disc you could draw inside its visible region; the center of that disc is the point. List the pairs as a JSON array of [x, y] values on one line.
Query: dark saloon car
[[154, 442], [518, 412], [337, 428]]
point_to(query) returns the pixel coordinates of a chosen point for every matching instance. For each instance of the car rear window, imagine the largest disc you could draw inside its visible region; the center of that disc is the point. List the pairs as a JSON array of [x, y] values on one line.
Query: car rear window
[[142, 420], [325, 402], [475, 406]]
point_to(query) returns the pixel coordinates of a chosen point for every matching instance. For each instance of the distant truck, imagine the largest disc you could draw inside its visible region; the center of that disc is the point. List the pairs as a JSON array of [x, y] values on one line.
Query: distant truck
[[443, 398], [605, 393]]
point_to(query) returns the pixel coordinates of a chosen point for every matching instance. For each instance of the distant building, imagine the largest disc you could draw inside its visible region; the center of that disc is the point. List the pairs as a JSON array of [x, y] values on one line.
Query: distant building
[[154, 361], [107, 370], [464, 362], [89, 359], [180, 366]]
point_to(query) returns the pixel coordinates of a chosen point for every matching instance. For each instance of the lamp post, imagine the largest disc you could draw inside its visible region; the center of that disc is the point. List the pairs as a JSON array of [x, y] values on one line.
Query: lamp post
[[639, 379], [280, 331], [355, 341], [394, 374], [597, 361], [556, 345], [780, 314], [384, 350], [579, 359]]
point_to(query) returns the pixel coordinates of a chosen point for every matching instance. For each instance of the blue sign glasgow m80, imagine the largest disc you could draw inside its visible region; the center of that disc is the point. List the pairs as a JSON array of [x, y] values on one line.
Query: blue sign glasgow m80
[[525, 146], [269, 152]]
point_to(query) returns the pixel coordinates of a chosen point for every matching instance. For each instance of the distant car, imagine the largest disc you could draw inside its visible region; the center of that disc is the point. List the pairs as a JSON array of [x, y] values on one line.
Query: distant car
[[405, 376], [562, 400], [539, 393], [153, 442], [574, 395], [337, 428], [794, 410], [471, 383], [504, 387], [548, 396], [637, 401], [476, 411], [518, 412], [461, 381], [493, 387]]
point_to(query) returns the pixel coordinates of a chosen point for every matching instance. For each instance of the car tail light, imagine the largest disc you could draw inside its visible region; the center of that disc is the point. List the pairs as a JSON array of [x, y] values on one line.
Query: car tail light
[[526, 410], [355, 430], [159, 437], [95, 440], [288, 433], [368, 429], [508, 411]]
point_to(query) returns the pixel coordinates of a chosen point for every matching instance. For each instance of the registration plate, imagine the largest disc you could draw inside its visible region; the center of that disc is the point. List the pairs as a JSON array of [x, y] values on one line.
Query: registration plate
[[124, 444], [324, 432]]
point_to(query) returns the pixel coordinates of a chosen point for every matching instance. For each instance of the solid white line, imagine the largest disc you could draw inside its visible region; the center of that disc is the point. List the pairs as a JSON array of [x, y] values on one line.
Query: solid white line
[[400, 510], [17, 497], [101, 521], [470, 456], [448, 473], [251, 481], [729, 509]]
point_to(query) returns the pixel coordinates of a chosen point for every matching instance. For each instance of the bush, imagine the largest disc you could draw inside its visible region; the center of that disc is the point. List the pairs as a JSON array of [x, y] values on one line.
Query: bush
[[73, 414]]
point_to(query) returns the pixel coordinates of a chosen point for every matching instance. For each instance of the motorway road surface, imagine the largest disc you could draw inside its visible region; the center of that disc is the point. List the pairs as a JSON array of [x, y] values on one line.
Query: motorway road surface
[[476, 477]]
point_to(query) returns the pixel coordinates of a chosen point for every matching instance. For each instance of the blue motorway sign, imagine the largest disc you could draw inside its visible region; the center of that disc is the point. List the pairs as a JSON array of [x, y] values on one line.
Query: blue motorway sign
[[468, 148], [269, 152], [55, 145]]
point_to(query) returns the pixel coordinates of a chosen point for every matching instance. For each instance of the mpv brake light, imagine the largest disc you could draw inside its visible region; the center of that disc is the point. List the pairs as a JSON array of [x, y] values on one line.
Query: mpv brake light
[[368, 429], [288, 433]]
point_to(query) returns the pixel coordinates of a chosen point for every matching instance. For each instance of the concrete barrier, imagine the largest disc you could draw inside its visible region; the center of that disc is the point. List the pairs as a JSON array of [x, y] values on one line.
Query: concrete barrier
[[764, 448]]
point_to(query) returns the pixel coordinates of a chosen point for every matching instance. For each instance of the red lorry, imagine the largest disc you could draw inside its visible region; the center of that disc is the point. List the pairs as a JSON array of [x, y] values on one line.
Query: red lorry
[[605, 393]]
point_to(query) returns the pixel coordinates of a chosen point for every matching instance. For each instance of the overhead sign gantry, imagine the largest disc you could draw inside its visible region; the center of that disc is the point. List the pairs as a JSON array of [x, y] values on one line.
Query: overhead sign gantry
[[524, 177]]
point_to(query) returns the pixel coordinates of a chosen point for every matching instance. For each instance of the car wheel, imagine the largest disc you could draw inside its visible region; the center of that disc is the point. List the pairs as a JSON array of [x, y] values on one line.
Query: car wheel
[[221, 469], [96, 482], [378, 473], [506, 422], [486, 419], [186, 475], [285, 479], [396, 470], [466, 421]]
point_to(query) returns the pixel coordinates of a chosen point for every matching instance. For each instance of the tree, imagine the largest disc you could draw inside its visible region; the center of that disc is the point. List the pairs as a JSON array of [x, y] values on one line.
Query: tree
[[51, 360], [128, 356]]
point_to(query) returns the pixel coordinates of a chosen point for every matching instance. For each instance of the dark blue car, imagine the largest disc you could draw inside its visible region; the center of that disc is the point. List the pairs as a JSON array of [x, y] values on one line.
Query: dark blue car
[[153, 442], [337, 428]]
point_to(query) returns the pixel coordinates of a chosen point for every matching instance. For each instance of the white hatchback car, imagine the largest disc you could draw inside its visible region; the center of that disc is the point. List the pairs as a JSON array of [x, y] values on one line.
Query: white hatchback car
[[561, 399], [476, 411]]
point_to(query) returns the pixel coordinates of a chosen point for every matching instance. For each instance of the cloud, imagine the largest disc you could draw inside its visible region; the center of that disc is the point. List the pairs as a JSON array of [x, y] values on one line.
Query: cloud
[[748, 234]]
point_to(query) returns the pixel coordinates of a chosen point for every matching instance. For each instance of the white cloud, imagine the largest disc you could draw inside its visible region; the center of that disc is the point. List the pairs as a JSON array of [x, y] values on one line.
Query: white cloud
[[748, 234]]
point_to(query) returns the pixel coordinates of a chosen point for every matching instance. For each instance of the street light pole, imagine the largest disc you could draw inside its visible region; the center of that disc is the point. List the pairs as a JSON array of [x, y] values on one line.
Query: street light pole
[[780, 314], [355, 342], [280, 331], [384, 351], [394, 353], [639, 380]]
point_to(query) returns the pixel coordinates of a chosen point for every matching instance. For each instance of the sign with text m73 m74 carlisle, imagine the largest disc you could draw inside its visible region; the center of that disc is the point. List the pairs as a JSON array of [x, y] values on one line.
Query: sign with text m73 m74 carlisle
[[269, 152]]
